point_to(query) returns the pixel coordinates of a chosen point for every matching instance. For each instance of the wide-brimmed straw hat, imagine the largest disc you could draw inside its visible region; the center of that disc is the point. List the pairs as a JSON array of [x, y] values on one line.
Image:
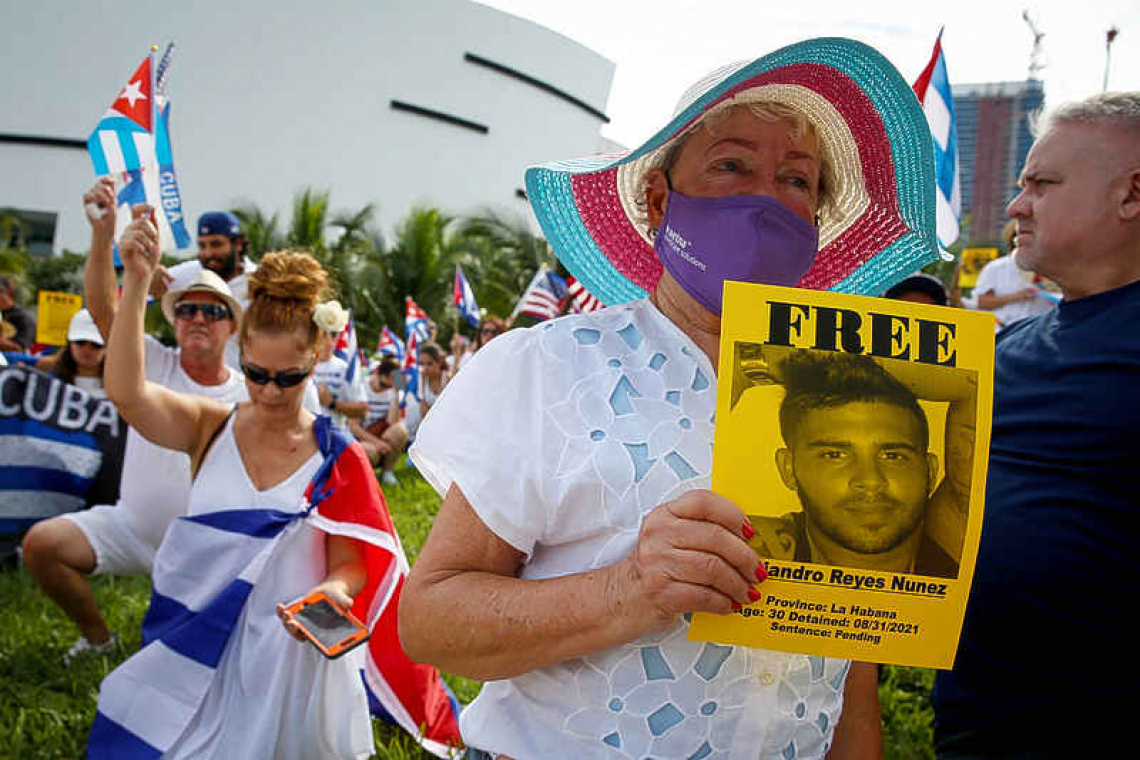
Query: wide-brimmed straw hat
[[206, 281], [876, 223]]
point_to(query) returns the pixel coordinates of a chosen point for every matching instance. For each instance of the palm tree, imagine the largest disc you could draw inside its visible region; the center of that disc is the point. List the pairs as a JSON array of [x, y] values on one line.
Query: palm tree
[[308, 221], [259, 230], [505, 254]]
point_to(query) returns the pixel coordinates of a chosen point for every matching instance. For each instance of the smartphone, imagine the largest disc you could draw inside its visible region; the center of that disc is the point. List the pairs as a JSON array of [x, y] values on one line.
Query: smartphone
[[331, 629]]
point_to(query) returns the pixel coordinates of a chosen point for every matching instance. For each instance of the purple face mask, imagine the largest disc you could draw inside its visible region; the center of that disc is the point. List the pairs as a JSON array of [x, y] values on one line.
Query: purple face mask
[[750, 238]]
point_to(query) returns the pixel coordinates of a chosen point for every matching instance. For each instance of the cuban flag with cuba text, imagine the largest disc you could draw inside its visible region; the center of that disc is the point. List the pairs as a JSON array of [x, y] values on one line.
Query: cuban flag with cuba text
[[132, 143]]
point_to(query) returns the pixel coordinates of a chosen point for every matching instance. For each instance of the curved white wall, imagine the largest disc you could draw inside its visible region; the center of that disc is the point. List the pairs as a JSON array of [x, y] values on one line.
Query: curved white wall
[[270, 96]]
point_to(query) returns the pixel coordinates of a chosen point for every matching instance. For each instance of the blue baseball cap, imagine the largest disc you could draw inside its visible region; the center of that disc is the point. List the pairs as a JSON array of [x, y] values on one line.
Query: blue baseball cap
[[219, 223]]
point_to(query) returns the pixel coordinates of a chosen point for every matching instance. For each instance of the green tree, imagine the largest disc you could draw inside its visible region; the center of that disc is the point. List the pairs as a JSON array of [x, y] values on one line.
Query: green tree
[[260, 230], [503, 255]]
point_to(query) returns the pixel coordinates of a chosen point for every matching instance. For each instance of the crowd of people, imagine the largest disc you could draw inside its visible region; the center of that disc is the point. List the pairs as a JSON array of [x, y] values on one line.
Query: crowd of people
[[566, 559]]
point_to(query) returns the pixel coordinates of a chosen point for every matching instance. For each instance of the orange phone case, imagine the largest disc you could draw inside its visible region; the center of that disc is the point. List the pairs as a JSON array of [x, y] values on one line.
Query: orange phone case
[[331, 649]]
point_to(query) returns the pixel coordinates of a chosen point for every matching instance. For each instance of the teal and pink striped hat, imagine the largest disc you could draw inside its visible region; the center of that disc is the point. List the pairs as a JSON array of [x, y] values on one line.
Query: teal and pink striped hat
[[877, 222]]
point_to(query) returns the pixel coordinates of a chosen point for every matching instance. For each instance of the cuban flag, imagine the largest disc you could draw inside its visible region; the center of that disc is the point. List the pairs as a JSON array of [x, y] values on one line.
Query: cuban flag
[[415, 321], [933, 90], [542, 298], [132, 143], [212, 625], [389, 344], [411, 370], [580, 300], [347, 349], [464, 298]]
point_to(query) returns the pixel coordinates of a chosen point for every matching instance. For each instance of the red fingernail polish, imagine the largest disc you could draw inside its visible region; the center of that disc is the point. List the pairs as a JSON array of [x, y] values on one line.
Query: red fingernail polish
[[753, 594], [747, 530], [736, 607], [761, 572]]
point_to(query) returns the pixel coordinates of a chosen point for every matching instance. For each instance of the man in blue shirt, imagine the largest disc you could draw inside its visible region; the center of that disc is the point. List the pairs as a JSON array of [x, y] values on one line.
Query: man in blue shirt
[[1047, 665]]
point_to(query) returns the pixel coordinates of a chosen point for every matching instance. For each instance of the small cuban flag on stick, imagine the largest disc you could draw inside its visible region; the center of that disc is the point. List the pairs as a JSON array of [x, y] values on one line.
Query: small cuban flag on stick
[[933, 90], [464, 298], [415, 322], [346, 348], [389, 344]]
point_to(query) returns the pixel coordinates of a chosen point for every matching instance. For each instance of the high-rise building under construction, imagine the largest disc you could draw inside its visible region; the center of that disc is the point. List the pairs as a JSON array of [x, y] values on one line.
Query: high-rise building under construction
[[993, 140]]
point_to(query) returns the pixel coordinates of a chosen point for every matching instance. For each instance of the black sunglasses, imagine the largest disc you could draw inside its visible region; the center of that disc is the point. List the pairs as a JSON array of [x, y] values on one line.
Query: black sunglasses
[[258, 376], [88, 343], [211, 312]]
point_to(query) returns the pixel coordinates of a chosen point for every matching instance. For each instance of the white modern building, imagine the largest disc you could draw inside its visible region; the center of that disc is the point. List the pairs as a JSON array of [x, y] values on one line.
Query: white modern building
[[393, 102]]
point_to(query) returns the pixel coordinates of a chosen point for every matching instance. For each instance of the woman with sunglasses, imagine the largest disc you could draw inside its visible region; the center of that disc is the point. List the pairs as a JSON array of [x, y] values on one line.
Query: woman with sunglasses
[[80, 362], [258, 466]]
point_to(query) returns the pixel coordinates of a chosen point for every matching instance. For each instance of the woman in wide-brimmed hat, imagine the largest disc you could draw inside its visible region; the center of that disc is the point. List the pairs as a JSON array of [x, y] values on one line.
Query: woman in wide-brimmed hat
[[565, 557]]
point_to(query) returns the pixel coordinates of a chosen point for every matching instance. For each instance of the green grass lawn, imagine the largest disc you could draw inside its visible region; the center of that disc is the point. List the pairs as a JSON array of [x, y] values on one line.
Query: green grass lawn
[[46, 708]]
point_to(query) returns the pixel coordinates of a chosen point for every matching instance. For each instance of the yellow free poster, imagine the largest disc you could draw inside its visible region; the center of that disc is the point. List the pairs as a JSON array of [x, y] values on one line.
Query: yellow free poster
[[854, 432], [53, 315]]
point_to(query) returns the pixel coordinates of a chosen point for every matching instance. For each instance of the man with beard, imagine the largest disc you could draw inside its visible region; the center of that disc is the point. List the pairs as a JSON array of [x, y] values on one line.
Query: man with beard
[[857, 456], [221, 249]]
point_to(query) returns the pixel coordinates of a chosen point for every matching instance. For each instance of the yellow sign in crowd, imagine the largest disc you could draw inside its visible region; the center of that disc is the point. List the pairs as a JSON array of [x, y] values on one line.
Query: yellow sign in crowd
[[854, 432]]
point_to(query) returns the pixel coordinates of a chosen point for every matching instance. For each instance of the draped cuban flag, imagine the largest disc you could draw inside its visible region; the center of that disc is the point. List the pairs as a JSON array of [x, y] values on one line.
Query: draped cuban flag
[[933, 90], [415, 321], [542, 298], [389, 344], [132, 143], [347, 349], [206, 579], [464, 298]]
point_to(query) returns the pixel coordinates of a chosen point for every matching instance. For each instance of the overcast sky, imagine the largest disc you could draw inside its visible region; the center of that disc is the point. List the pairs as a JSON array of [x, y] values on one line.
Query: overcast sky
[[662, 46]]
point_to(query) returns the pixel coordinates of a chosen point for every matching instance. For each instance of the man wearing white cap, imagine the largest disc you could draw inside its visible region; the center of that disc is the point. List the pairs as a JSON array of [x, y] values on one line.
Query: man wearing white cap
[[122, 539]]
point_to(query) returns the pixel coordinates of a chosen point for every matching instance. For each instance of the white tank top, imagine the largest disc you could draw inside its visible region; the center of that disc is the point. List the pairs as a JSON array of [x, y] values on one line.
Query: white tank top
[[223, 483]]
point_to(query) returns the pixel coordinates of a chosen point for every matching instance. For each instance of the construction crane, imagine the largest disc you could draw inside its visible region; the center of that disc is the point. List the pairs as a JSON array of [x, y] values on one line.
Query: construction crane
[[1037, 55], [1110, 37]]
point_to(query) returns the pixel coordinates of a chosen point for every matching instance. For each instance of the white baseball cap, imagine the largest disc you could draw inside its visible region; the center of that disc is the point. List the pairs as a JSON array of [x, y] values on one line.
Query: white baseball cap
[[82, 327]]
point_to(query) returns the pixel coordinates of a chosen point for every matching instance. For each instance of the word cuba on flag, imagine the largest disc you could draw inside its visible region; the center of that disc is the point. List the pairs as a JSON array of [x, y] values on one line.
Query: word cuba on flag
[[132, 143]]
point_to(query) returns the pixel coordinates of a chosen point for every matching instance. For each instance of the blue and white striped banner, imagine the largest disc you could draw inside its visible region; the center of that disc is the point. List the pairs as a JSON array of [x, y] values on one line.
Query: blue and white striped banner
[[61, 449]]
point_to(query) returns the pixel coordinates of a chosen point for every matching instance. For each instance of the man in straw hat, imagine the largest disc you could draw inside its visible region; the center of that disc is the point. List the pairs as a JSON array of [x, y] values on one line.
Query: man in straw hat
[[566, 556], [1045, 667], [121, 539]]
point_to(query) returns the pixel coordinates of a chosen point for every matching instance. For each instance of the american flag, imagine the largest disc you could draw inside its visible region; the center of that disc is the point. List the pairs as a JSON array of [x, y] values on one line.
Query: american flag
[[580, 300], [543, 297]]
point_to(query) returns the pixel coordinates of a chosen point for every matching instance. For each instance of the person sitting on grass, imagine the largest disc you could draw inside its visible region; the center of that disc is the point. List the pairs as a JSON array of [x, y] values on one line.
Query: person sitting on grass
[[383, 434]]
